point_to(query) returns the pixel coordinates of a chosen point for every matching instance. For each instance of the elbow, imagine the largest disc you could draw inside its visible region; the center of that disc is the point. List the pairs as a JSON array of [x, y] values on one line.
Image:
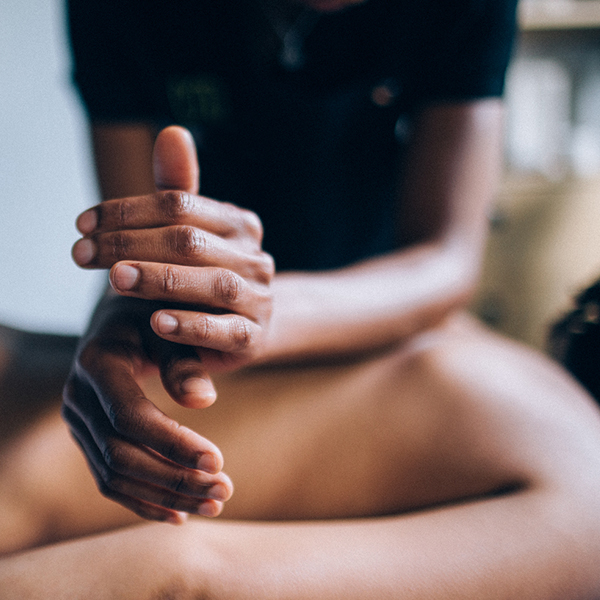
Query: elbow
[[459, 271], [449, 287], [465, 288]]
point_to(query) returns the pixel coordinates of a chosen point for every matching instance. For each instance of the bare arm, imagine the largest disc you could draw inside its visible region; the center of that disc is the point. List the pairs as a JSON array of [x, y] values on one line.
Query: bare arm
[[453, 166], [528, 545], [452, 174]]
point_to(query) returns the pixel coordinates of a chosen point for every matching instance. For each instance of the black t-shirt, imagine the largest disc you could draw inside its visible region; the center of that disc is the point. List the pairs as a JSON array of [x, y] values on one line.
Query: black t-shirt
[[316, 151]]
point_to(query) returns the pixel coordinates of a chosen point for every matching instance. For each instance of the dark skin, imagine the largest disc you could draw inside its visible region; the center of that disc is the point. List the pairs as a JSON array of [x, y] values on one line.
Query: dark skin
[[473, 462], [216, 268], [469, 445], [314, 315], [232, 282]]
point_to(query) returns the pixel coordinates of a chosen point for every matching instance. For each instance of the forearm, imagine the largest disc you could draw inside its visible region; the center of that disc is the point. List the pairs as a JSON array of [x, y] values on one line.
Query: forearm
[[370, 305], [524, 545], [133, 564], [518, 546], [452, 172]]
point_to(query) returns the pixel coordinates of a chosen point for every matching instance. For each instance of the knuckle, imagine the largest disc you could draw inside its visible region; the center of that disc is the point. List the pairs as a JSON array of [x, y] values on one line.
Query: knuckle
[[226, 286], [120, 416], [169, 280], [125, 213], [252, 225], [87, 357], [242, 222], [188, 242], [269, 265], [176, 205], [265, 268], [241, 333], [116, 457], [201, 330], [120, 246]]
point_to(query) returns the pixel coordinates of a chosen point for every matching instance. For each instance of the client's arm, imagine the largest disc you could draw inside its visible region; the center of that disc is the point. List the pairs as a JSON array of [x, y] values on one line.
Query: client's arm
[[488, 550]]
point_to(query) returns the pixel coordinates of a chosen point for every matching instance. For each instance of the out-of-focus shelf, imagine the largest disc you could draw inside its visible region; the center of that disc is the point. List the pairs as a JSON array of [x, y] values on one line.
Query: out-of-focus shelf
[[547, 15]]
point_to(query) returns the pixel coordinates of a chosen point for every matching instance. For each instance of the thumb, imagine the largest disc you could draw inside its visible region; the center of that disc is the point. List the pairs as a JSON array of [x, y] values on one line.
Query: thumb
[[175, 162]]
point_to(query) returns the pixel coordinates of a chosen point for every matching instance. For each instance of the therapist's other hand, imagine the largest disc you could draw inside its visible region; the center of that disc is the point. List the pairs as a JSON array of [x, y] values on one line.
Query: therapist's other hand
[[201, 257], [138, 455]]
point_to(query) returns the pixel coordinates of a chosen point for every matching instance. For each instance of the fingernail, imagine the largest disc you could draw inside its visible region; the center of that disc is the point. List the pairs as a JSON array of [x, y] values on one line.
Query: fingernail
[[207, 509], [84, 252], [166, 323], [198, 387], [208, 463], [87, 221], [218, 492], [179, 518], [125, 277]]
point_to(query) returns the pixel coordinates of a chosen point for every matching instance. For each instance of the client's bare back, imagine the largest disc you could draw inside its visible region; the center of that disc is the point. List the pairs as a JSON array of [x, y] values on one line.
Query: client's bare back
[[457, 414]]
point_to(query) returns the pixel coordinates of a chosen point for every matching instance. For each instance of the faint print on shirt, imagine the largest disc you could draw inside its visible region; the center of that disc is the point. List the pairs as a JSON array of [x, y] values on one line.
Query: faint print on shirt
[[198, 99]]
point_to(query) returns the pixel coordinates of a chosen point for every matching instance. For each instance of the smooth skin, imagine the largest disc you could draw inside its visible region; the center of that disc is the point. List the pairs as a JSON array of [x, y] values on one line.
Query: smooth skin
[[458, 466], [187, 247]]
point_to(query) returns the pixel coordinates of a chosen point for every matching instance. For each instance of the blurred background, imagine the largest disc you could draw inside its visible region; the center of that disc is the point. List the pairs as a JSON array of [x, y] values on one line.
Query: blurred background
[[545, 242], [46, 175], [544, 245]]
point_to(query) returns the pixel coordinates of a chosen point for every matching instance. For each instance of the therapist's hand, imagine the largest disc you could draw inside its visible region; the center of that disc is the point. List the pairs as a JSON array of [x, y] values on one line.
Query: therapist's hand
[[201, 257], [209, 258], [139, 456]]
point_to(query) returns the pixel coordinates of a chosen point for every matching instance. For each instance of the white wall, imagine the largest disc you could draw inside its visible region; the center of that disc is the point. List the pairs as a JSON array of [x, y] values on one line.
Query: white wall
[[46, 176]]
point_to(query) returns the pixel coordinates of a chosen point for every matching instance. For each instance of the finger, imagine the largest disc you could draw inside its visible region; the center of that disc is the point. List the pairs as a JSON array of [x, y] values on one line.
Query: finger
[[225, 333], [78, 431], [134, 417], [180, 244], [170, 208], [145, 499], [182, 373], [208, 286], [175, 161], [186, 383], [121, 460]]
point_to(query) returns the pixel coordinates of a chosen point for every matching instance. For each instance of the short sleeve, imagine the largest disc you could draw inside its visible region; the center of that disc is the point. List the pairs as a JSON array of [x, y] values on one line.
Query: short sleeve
[[110, 66], [469, 49]]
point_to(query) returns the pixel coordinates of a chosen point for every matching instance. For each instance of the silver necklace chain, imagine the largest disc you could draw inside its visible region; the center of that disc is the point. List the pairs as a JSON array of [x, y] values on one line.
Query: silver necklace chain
[[292, 36]]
